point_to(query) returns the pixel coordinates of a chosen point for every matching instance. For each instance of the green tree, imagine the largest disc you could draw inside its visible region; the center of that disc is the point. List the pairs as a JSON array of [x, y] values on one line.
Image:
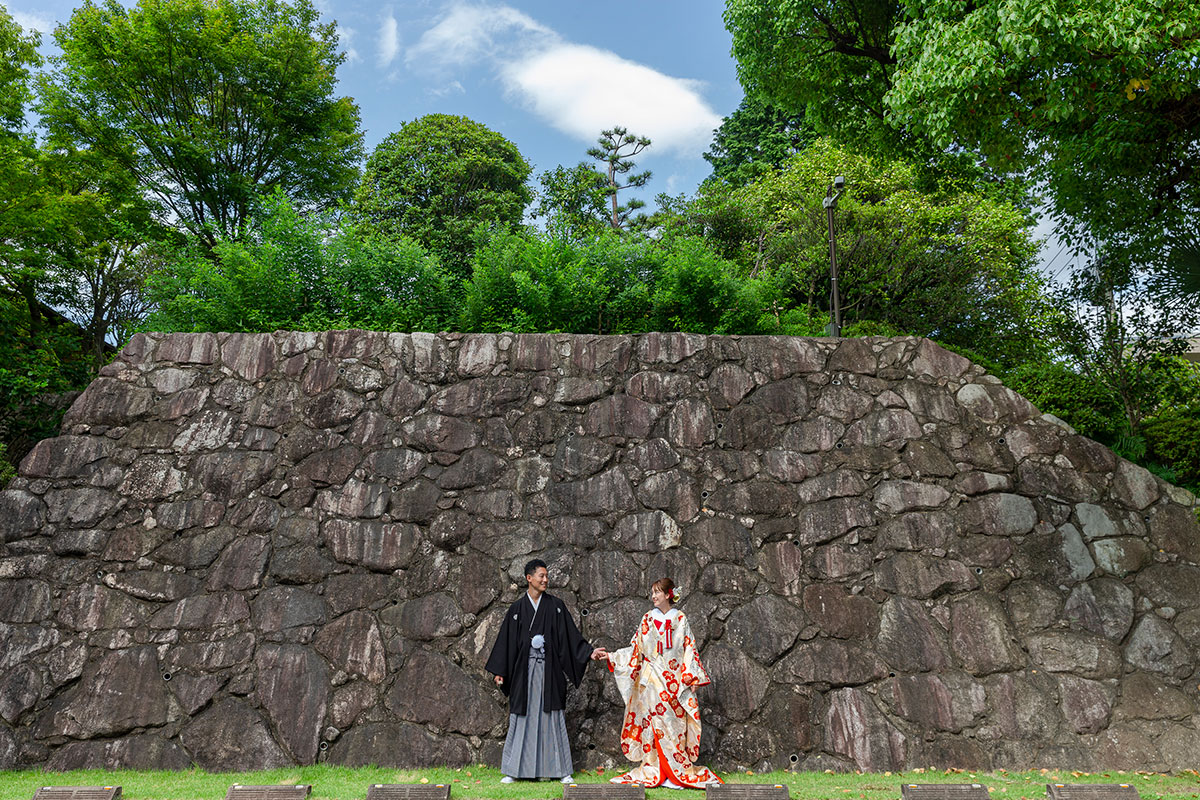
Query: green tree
[[754, 139], [831, 60], [957, 266], [1124, 339], [103, 225], [208, 103], [439, 178], [1098, 103], [573, 199], [23, 229], [18, 56], [616, 148]]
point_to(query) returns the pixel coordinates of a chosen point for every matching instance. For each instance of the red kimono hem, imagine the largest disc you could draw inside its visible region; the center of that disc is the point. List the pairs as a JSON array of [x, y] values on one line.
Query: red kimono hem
[[665, 771]]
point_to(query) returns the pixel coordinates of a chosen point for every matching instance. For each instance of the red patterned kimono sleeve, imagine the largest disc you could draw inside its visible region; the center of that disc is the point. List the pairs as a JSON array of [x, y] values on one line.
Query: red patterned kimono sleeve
[[694, 673]]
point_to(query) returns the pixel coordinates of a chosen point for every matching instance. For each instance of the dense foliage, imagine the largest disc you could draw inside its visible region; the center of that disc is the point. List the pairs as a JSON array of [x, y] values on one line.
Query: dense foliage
[[1099, 102], [163, 124], [755, 140], [957, 266], [437, 180], [295, 272]]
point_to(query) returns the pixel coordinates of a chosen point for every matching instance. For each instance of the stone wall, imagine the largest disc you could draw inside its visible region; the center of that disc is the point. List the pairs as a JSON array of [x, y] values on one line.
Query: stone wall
[[257, 550]]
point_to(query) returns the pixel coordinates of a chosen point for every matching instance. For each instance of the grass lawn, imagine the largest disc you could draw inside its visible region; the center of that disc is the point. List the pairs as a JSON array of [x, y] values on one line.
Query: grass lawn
[[344, 783]]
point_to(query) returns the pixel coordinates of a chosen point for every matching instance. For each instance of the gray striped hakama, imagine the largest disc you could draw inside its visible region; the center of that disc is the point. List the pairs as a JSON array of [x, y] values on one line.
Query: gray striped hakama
[[536, 745]]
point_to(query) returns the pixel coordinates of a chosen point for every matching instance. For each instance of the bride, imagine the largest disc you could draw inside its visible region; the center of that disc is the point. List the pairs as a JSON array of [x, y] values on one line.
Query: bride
[[657, 675]]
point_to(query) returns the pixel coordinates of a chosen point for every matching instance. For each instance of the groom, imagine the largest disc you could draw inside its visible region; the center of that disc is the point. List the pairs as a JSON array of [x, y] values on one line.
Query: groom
[[537, 650]]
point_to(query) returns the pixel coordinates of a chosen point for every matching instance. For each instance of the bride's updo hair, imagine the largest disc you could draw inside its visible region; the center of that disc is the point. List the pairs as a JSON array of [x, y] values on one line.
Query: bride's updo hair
[[666, 586]]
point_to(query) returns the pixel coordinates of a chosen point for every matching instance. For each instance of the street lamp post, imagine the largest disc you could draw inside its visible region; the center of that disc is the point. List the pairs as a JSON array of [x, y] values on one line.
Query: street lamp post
[[830, 203]]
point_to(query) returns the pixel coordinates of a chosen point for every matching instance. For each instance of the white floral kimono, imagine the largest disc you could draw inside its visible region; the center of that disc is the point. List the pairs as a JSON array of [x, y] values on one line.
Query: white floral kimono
[[657, 675]]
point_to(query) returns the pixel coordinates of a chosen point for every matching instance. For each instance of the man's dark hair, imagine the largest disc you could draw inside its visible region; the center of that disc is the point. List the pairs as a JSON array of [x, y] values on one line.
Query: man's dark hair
[[532, 566]]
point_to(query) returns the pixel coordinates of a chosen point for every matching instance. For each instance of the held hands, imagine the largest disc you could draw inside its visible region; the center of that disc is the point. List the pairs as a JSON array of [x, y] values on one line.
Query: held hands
[[599, 654]]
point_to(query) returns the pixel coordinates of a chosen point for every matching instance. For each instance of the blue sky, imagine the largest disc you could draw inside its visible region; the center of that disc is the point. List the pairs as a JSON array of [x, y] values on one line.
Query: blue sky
[[547, 74]]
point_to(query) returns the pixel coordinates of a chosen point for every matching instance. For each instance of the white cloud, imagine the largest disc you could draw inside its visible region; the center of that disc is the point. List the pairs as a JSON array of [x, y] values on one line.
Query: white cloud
[[472, 33], [582, 90], [389, 40], [577, 88], [453, 87], [346, 36], [32, 22]]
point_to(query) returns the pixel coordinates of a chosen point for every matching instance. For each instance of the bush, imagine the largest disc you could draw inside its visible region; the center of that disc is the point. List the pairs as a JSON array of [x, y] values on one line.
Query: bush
[[293, 272], [550, 284], [1173, 440], [1085, 405]]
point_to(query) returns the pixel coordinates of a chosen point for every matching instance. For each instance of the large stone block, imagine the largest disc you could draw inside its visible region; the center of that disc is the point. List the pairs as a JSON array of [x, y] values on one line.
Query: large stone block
[[913, 575], [1067, 651], [1033, 605], [605, 493], [981, 638], [858, 731], [104, 703], [293, 687], [430, 689], [85, 507], [839, 613], [20, 689], [109, 401], [141, 751], [1173, 585], [426, 618], [895, 497], [764, 628], [948, 701], [651, 531], [437, 432], [373, 544], [479, 397], [21, 514], [278, 608], [620, 416], [889, 428], [833, 662], [658, 387], [1103, 606], [907, 638], [353, 644], [1175, 529], [202, 611], [1003, 514], [64, 456], [1146, 696], [241, 565], [19, 642], [398, 745], [740, 683], [231, 737], [25, 600], [211, 654], [91, 607], [1155, 646], [1086, 704], [823, 522]]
